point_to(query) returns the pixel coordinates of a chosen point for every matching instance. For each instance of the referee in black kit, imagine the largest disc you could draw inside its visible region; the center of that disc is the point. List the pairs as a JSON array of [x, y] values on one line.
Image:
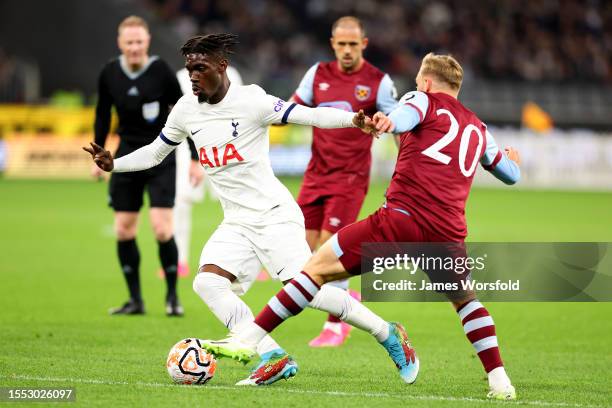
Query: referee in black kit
[[142, 88]]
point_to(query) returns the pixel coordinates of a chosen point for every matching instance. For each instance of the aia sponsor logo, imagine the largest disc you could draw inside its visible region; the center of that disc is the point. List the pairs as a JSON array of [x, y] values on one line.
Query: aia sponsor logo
[[229, 153], [362, 92]]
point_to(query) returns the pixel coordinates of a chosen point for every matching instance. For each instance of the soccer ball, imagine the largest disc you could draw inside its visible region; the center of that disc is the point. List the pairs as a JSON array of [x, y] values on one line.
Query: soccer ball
[[188, 363]]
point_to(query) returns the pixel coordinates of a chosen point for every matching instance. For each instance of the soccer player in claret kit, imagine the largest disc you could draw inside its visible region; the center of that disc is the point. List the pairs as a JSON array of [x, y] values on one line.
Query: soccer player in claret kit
[[441, 144], [142, 88], [262, 223], [338, 174]]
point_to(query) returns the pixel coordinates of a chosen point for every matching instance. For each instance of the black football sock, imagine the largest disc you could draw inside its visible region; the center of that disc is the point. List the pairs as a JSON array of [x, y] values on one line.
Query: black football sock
[[129, 258], [168, 255]]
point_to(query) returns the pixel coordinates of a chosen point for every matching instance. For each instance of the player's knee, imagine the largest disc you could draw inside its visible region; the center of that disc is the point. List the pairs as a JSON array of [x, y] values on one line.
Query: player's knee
[[162, 230], [460, 299], [331, 276], [125, 230], [209, 286]]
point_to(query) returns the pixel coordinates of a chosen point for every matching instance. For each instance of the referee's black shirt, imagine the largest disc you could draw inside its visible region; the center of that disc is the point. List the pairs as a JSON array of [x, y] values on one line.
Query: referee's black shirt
[[142, 100]]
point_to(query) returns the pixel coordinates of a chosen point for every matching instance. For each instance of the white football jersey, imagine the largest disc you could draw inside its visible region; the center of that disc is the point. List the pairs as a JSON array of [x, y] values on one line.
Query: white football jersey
[[233, 144]]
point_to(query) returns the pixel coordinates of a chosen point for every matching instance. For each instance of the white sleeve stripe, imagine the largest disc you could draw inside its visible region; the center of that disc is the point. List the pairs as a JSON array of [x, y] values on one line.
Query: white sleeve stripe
[[421, 114], [418, 100], [336, 246]]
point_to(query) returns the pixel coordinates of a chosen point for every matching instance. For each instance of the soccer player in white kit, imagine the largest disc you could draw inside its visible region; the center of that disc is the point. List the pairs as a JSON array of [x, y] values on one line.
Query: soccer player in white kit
[[262, 224], [186, 192]]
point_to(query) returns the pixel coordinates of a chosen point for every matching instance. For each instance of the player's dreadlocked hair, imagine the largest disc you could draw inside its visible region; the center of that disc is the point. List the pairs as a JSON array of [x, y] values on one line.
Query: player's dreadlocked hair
[[219, 45]]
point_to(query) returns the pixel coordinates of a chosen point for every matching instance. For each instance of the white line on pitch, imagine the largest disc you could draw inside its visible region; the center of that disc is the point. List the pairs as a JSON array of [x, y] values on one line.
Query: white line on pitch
[[311, 392]]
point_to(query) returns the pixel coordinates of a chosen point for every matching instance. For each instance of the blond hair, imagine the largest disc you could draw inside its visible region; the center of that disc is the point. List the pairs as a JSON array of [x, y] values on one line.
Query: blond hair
[[133, 21], [445, 68]]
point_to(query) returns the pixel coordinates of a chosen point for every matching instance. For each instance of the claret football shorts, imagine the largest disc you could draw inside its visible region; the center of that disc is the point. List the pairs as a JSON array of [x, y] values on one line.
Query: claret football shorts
[[388, 226], [332, 212]]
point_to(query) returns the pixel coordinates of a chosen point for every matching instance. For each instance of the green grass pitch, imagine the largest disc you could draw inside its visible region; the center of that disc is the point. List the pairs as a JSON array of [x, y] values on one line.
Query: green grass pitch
[[59, 275]]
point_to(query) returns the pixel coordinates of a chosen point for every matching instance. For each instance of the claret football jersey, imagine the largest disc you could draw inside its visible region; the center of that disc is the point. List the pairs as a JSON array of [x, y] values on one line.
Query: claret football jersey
[[341, 158], [436, 163]]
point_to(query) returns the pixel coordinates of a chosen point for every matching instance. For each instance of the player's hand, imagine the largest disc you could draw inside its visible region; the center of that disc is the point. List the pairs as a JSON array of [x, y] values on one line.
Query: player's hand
[[101, 157], [196, 174], [364, 123], [513, 155], [383, 123]]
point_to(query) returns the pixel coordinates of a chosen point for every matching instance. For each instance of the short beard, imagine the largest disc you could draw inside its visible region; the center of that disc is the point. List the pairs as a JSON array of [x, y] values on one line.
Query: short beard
[[202, 98]]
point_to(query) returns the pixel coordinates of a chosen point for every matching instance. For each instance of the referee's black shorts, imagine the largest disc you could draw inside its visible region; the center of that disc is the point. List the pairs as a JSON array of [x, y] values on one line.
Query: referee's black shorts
[[126, 190]]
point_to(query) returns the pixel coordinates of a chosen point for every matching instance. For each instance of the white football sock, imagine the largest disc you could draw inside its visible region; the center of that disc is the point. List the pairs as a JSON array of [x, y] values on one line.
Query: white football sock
[[333, 326], [182, 227], [498, 379], [339, 303], [216, 292]]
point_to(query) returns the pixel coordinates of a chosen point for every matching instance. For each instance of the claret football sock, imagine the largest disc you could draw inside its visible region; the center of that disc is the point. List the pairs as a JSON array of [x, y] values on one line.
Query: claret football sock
[[479, 328], [302, 291], [289, 301], [168, 256], [129, 258]]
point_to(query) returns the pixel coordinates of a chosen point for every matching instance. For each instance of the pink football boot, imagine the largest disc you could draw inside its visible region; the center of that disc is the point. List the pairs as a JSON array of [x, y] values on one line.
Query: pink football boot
[[330, 337]]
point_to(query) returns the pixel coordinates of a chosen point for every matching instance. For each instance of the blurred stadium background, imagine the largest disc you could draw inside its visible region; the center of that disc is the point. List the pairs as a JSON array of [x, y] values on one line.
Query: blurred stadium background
[[538, 72]]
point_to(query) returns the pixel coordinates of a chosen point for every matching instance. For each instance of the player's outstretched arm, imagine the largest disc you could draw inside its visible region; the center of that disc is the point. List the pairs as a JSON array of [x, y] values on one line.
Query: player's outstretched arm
[[141, 159], [504, 166], [329, 118], [407, 114]]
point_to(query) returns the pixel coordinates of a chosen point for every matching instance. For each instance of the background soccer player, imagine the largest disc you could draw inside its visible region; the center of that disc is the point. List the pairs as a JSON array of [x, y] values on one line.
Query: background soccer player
[[142, 88], [441, 144], [337, 178]]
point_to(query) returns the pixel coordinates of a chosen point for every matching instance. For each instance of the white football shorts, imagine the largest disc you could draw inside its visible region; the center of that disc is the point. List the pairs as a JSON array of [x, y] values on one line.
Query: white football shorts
[[243, 249]]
